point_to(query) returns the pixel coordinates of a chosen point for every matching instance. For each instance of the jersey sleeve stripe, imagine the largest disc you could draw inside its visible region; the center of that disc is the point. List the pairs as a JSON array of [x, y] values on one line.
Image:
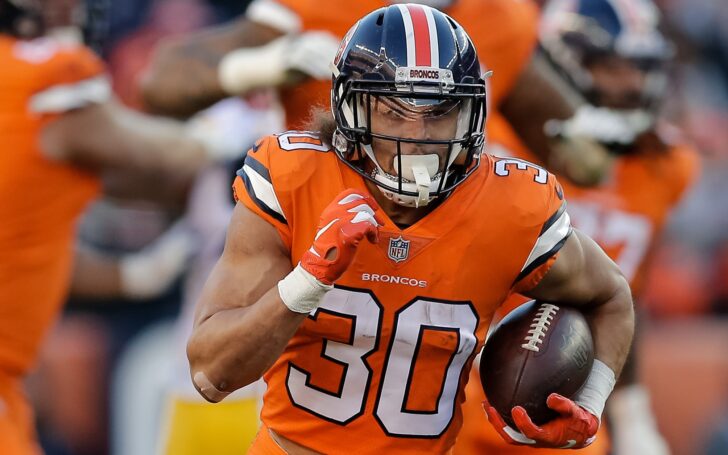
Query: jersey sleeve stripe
[[553, 219], [260, 190], [258, 167], [542, 259], [66, 97], [553, 235], [275, 15]]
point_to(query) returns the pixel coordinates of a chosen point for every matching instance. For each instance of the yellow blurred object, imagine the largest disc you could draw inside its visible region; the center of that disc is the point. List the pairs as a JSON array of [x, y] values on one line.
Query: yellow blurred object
[[195, 427]]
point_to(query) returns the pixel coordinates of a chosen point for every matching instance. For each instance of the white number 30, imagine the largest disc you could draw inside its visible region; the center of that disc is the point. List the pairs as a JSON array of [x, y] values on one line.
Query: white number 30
[[411, 322]]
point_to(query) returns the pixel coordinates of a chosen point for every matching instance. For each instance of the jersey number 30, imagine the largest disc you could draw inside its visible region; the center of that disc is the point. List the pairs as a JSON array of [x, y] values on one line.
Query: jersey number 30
[[413, 322]]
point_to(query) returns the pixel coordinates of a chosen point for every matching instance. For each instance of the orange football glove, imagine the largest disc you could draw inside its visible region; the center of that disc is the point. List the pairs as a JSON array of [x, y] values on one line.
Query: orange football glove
[[575, 428], [343, 224]]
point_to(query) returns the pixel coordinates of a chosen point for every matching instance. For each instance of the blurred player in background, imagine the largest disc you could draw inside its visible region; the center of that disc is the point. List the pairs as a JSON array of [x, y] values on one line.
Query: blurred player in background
[[60, 129], [371, 361], [290, 43], [612, 53], [192, 425]]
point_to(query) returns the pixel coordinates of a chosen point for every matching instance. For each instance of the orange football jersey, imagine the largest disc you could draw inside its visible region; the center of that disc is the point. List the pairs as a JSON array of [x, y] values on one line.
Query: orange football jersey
[[383, 361], [40, 199], [504, 33], [624, 216]]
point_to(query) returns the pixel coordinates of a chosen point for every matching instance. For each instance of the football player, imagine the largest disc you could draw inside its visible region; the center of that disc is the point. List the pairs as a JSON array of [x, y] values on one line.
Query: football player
[[613, 53], [60, 129], [364, 262], [290, 43]]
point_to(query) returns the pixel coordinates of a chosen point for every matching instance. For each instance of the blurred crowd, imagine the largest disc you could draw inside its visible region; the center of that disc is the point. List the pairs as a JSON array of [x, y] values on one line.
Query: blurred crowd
[[99, 341]]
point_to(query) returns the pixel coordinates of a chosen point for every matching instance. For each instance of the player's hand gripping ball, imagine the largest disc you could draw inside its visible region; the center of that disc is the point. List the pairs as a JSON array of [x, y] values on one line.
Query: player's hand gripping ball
[[537, 357]]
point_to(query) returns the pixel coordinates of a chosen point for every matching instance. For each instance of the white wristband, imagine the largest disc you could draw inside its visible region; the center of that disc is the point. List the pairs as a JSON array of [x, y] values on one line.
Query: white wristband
[[598, 386], [253, 67], [301, 292]]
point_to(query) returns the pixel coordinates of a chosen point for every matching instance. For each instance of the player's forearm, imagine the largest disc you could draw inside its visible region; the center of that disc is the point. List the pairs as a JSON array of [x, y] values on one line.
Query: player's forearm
[[145, 143], [527, 111], [182, 81], [612, 325], [109, 136], [155, 143], [184, 75], [235, 347]]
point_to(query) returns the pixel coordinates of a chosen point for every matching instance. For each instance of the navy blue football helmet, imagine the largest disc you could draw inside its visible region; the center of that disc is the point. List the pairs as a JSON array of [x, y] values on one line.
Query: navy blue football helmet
[[575, 33], [415, 61]]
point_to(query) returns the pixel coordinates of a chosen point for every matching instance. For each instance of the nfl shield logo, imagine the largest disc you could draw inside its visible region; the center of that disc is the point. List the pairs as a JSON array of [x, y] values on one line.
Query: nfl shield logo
[[398, 249]]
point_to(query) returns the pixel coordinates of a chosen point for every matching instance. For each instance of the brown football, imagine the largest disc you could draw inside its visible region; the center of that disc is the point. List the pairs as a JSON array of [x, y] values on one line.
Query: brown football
[[537, 349]]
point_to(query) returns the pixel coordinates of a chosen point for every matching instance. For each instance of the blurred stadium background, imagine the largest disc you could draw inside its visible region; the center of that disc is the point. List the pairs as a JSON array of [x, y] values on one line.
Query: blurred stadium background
[[87, 390]]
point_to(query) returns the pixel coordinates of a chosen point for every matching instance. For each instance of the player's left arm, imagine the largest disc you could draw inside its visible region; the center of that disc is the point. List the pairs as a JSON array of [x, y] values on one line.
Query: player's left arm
[[582, 276]]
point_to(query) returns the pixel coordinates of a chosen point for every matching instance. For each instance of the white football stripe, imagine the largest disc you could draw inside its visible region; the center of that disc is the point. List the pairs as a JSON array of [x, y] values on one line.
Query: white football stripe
[[264, 191], [409, 32], [553, 235]]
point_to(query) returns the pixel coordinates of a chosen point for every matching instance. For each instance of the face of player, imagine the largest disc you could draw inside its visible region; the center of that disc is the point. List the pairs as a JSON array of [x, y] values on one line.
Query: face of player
[[618, 82], [397, 118]]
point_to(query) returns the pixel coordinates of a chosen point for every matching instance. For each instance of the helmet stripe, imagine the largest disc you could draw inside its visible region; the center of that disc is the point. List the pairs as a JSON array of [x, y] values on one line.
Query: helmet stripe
[[434, 42], [423, 48], [409, 34]]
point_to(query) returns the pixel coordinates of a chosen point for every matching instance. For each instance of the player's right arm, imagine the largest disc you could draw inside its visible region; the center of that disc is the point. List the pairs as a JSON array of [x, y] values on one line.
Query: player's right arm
[[266, 48], [183, 76], [107, 136], [253, 301], [241, 323]]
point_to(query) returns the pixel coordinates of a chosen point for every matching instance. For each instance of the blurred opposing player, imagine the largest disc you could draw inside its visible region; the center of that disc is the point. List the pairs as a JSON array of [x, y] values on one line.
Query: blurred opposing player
[[60, 128], [190, 425], [364, 320], [613, 53], [290, 43]]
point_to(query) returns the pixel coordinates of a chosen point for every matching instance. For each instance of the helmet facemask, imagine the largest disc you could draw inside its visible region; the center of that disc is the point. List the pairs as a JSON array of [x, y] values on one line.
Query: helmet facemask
[[440, 137]]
